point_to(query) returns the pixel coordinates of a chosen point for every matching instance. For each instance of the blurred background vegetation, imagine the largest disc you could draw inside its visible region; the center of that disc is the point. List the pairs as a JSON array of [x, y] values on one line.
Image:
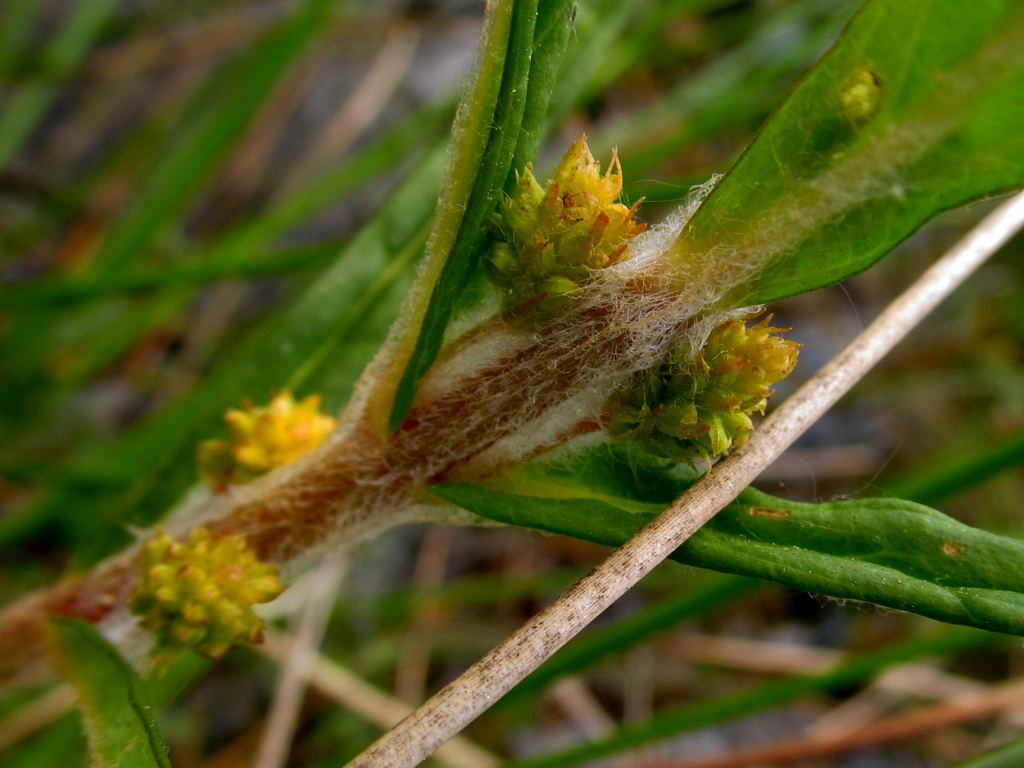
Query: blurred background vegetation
[[202, 202]]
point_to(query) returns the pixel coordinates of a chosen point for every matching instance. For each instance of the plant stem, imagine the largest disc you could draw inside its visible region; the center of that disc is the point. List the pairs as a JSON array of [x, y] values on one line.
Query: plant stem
[[459, 703]]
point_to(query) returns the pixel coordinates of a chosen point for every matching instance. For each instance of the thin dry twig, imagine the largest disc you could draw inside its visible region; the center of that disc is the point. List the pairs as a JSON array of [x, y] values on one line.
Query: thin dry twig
[[415, 649], [337, 683], [298, 663], [759, 656], [459, 703], [582, 707], [896, 728]]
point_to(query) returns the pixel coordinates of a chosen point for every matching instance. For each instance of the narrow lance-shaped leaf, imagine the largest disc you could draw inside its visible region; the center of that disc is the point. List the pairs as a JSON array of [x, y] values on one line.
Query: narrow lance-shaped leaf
[[535, 46], [915, 110], [894, 553], [118, 715], [554, 23], [481, 159]]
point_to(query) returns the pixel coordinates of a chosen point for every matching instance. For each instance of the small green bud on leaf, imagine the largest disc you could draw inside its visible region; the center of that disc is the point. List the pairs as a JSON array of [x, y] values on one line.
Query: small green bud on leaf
[[861, 98]]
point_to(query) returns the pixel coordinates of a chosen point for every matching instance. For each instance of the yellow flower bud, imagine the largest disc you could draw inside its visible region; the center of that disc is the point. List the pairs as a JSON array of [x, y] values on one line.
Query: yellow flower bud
[[262, 438], [550, 239], [201, 594], [699, 407]]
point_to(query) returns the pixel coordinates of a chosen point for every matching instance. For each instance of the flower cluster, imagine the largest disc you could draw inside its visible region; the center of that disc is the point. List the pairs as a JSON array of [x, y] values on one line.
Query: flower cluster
[[549, 240], [200, 594], [262, 438], [699, 406]]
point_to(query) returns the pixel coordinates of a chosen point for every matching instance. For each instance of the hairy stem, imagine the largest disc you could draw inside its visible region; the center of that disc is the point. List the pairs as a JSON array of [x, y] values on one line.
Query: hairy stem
[[458, 704], [475, 415]]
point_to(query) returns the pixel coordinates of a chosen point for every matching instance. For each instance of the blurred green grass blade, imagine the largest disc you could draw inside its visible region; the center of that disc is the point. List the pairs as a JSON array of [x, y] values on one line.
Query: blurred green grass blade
[[322, 313], [485, 142], [116, 708], [731, 93], [221, 110], [29, 103], [597, 27], [595, 646], [61, 743], [331, 356], [210, 125], [242, 251], [16, 20], [58, 292], [150, 467], [118, 325], [415, 136], [758, 698], [394, 608], [1008, 756], [890, 552], [955, 471], [614, 38], [915, 110]]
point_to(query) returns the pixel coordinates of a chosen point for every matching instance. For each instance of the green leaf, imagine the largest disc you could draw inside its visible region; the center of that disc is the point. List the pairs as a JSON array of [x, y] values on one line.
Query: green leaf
[[915, 110], [1008, 756], [498, 131], [890, 552], [484, 145], [118, 715], [554, 23]]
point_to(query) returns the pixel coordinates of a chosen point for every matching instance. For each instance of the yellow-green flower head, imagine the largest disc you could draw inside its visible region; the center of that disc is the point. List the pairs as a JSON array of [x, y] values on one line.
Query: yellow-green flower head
[[549, 239], [262, 438], [200, 594], [699, 407]]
